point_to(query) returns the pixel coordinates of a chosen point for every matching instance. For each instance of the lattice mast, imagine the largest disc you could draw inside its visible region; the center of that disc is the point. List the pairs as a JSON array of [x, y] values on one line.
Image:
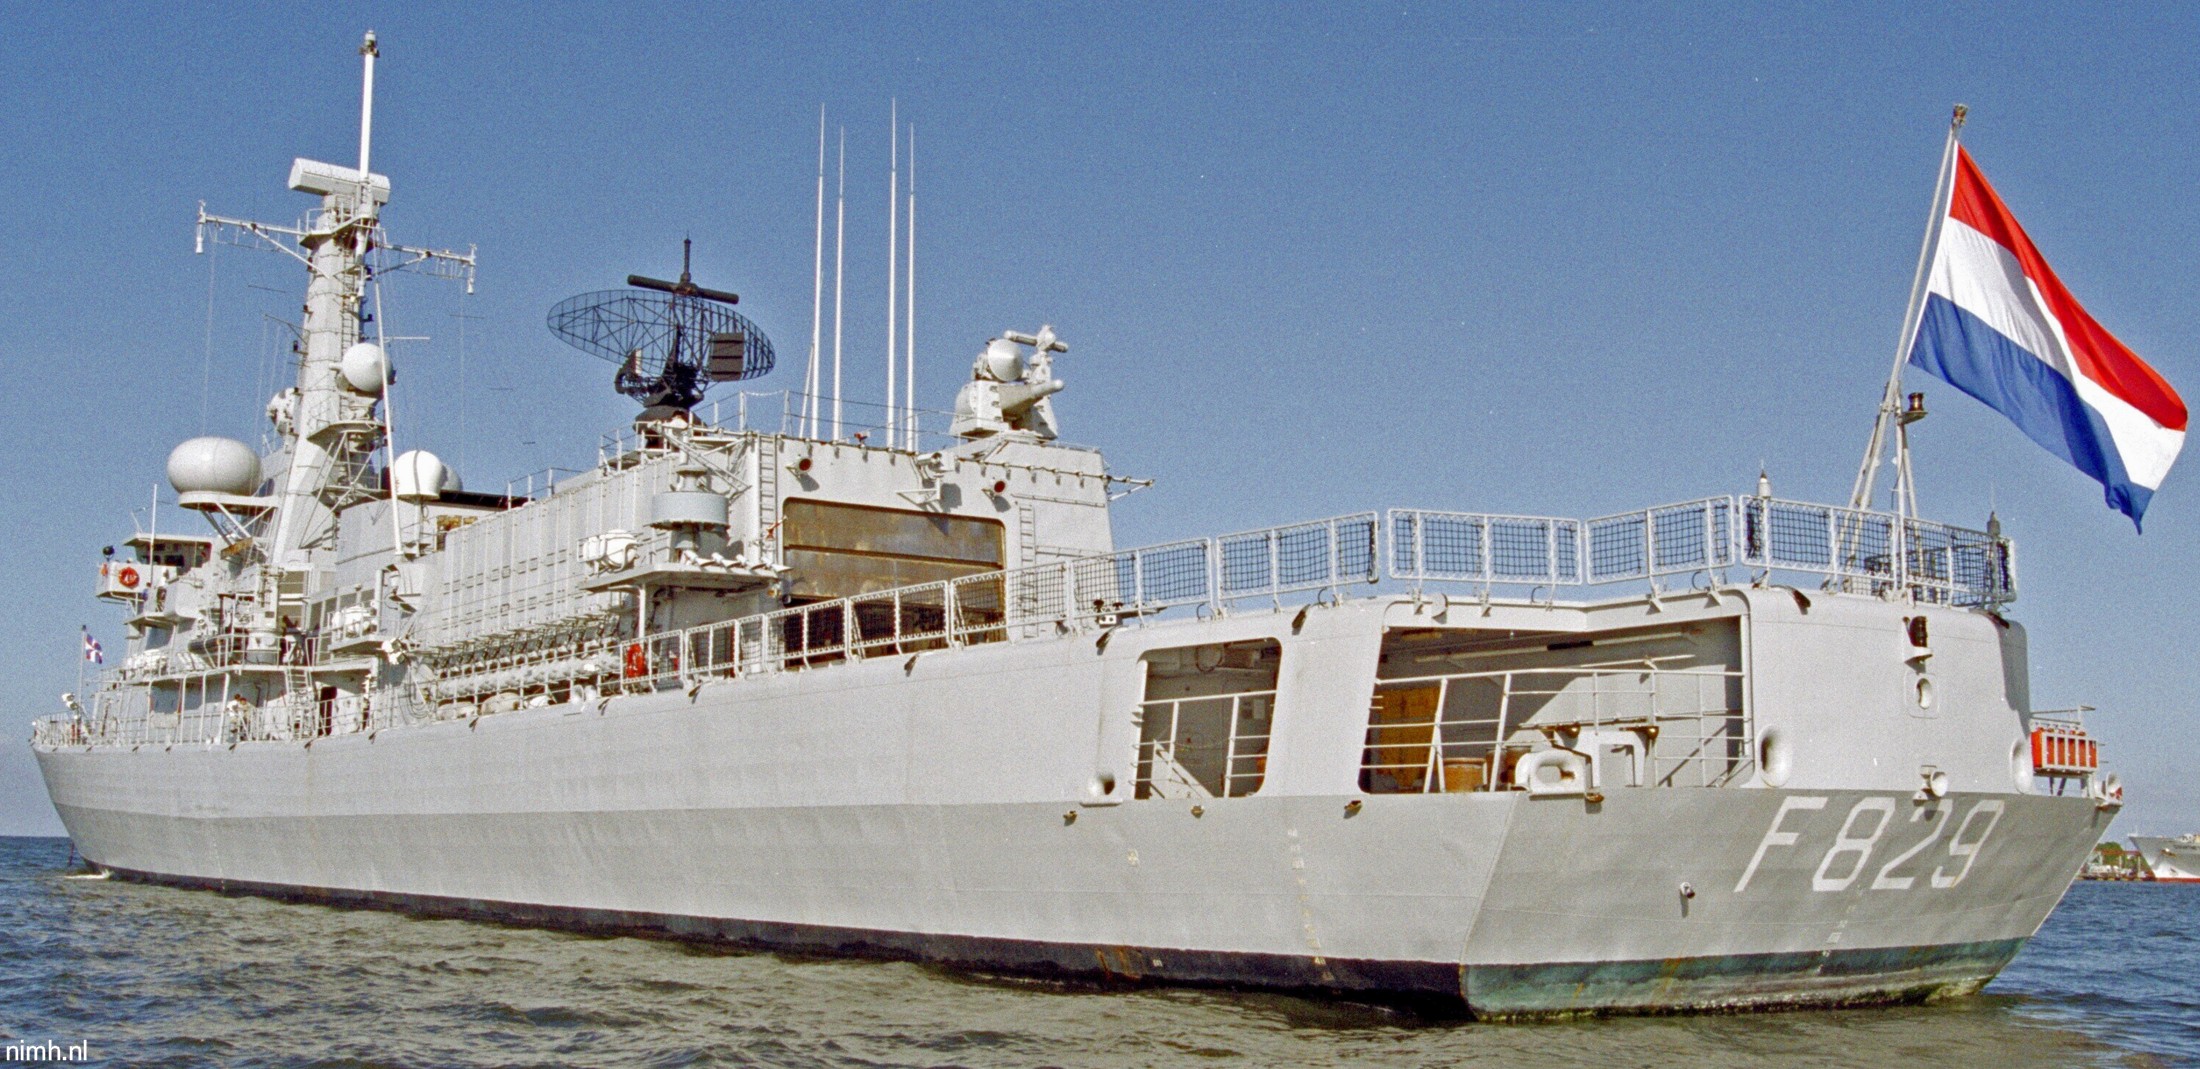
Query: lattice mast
[[329, 424]]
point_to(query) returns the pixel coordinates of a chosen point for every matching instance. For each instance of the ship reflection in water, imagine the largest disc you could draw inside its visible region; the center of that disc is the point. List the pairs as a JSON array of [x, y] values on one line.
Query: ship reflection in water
[[153, 974]]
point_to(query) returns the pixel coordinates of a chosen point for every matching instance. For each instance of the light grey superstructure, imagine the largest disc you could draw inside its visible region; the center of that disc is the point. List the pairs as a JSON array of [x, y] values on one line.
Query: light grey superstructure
[[749, 679]]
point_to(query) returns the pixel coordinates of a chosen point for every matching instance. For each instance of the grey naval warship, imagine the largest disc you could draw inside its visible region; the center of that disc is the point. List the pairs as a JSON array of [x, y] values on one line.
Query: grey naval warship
[[764, 677]]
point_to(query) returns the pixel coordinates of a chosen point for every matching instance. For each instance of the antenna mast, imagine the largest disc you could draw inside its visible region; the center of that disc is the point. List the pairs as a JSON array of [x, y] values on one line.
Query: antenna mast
[[909, 296], [893, 247], [817, 287], [840, 262], [369, 50], [1891, 413], [332, 422]]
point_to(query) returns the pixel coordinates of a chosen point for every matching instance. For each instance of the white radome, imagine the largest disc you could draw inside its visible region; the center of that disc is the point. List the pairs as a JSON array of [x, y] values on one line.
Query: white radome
[[214, 465], [365, 368], [420, 475]]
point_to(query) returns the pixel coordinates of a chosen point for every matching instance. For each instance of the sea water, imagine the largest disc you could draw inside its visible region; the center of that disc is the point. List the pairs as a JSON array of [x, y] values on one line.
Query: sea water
[[128, 974]]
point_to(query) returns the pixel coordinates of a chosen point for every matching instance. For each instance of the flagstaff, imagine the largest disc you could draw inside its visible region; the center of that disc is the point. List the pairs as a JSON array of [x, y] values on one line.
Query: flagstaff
[[1890, 401]]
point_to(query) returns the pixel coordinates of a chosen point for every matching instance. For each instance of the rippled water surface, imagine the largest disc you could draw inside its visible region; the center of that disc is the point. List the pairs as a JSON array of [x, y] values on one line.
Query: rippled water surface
[[150, 975]]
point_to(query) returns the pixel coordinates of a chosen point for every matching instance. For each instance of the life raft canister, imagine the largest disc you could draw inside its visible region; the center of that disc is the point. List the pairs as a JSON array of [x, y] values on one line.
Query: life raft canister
[[637, 661], [128, 577]]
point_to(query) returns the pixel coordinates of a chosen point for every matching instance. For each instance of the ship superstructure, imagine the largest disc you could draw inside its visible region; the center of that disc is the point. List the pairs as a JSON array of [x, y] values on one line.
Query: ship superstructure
[[750, 680]]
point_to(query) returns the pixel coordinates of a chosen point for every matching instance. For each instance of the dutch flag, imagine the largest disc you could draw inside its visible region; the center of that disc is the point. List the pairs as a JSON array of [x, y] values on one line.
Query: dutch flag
[[1998, 325]]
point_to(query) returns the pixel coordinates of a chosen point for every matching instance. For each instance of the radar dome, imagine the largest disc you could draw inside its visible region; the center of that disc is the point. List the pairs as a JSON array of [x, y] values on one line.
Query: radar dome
[[365, 368], [420, 475], [1002, 360], [214, 465]]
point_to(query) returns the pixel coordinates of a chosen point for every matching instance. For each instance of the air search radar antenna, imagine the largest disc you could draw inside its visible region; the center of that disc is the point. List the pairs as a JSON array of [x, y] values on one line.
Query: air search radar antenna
[[670, 340]]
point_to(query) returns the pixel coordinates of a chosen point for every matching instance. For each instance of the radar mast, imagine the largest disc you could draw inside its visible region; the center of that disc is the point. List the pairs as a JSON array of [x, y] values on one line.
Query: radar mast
[[335, 418]]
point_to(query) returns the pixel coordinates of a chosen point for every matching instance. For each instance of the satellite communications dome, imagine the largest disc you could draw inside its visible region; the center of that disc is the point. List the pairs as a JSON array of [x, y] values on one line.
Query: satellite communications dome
[[365, 368], [420, 475], [214, 465]]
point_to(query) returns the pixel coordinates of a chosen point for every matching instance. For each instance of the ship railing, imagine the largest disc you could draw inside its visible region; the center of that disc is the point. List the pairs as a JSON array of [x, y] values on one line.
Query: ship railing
[[2072, 718], [1632, 726], [1856, 550], [1851, 549], [1215, 575], [1179, 756], [157, 729], [192, 696], [1045, 600], [797, 415], [536, 484], [57, 731], [124, 715], [1324, 558], [224, 649], [2061, 749], [465, 680]]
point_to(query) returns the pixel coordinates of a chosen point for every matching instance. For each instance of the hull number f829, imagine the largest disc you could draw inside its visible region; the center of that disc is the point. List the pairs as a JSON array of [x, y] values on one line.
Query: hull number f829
[[1871, 823]]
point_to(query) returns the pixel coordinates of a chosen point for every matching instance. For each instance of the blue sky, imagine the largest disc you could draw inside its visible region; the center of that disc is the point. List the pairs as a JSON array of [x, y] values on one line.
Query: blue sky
[[1555, 259]]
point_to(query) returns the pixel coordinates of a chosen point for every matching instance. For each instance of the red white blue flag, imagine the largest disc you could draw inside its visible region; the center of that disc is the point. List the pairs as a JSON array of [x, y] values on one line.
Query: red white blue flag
[[92, 652], [2000, 326]]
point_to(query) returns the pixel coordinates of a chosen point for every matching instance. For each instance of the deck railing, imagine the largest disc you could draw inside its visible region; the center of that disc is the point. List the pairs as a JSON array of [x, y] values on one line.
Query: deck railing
[[1227, 757], [797, 415], [1850, 549], [229, 648], [1641, 727], [1705, 539]]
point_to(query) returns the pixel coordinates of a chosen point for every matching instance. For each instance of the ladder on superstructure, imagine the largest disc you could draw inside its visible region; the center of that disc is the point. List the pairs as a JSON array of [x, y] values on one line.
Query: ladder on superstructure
[[298, 693], [1030, 601], [768, 537]]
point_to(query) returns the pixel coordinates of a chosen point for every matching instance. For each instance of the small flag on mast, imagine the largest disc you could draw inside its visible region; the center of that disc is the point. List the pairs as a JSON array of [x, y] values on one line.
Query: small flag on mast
[[1998, 325], [92, 651]]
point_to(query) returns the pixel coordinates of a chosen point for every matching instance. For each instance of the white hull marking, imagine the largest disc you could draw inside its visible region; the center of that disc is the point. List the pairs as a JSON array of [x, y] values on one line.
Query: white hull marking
[[1885, 882], [1775, 837], [1992, 807], [1847, 843]]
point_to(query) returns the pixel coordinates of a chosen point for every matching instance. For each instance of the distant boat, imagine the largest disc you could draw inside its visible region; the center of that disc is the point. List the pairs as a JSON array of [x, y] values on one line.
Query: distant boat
[[2170, 860]]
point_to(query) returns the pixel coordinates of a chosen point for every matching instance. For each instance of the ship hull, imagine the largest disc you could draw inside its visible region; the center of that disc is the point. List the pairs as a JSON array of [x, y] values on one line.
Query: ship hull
[[2168, 860], [1877, 976], [1500, 903]]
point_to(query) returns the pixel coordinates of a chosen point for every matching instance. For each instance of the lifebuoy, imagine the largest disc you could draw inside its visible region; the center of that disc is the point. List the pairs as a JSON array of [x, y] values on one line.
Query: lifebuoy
[[637, 661], [128, 577]]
